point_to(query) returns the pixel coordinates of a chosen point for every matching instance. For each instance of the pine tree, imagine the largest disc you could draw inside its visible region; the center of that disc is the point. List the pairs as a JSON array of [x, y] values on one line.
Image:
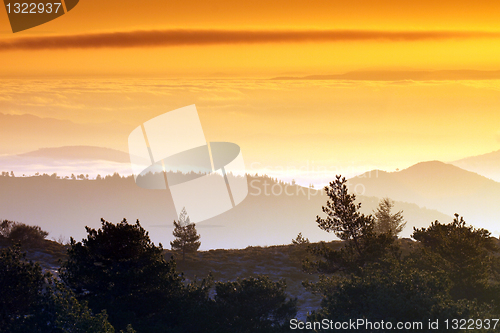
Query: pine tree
[[387, 222], [187, 238], [300, 240], [361, 244]]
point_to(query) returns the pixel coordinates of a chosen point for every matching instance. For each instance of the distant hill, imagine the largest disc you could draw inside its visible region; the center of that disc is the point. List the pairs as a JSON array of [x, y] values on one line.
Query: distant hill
[[440, 186], [79, 153], [487, 165], [381, 75], [28, 132], [68, 160], [64, 207]]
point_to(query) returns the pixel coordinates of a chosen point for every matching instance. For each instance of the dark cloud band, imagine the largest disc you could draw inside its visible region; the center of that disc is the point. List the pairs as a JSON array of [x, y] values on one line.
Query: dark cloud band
[[163, 38]]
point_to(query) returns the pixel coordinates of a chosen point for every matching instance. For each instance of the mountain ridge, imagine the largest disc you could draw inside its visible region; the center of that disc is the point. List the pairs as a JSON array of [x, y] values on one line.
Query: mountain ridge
[[441, 186], [81, 152], [28, 132], [487, 164], [65, 206]]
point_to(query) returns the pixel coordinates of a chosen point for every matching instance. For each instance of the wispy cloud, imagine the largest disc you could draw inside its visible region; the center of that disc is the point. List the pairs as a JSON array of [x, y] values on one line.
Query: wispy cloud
[[163, 38]]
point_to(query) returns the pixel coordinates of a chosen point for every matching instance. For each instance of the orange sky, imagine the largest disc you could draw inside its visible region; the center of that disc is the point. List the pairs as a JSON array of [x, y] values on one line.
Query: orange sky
[[263, 59], [357, 123]]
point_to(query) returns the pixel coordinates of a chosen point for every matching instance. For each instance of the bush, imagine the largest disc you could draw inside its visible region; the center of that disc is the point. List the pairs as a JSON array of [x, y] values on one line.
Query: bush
[[16, 232], [253, 305], [117, 268], [31, 301], [401, 293], [467, 255]]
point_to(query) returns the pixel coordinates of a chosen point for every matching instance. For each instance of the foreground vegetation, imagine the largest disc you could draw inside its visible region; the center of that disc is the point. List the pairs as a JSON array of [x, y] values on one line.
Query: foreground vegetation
[[117, 280]]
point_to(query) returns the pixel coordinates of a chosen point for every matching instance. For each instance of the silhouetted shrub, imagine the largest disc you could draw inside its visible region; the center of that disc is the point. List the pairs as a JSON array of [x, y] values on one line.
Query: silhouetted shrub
[[253, 305], [27, 235], [31, 301], [118, 269]]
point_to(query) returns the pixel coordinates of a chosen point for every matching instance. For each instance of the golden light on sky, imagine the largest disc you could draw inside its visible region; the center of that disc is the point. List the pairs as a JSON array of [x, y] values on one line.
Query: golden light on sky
[[314, 56], [251, 60], [114, 64]]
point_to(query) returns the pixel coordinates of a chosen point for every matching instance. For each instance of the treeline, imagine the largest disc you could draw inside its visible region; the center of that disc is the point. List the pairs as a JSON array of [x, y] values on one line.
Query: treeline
[[118, 280], [150, 176], [72, 177]]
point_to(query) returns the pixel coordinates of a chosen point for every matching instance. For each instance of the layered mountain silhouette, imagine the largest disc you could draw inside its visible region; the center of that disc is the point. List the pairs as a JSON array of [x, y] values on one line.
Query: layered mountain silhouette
[[440, 186], [425, 192], [28, 132], [78, 153], [268, 216], [68, 160], [487, 165]]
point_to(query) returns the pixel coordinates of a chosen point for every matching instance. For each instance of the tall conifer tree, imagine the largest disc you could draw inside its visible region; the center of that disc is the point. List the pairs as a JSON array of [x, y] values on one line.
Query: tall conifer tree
[[186, 236]]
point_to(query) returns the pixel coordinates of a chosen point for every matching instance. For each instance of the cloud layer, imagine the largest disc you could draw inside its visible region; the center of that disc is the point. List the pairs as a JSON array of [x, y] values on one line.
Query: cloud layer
[[164, 38]]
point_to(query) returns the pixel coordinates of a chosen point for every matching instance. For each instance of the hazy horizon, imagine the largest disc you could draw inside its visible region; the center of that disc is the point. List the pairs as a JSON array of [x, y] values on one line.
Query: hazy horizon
[[346, 127], [93, 161], [368, 85]]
